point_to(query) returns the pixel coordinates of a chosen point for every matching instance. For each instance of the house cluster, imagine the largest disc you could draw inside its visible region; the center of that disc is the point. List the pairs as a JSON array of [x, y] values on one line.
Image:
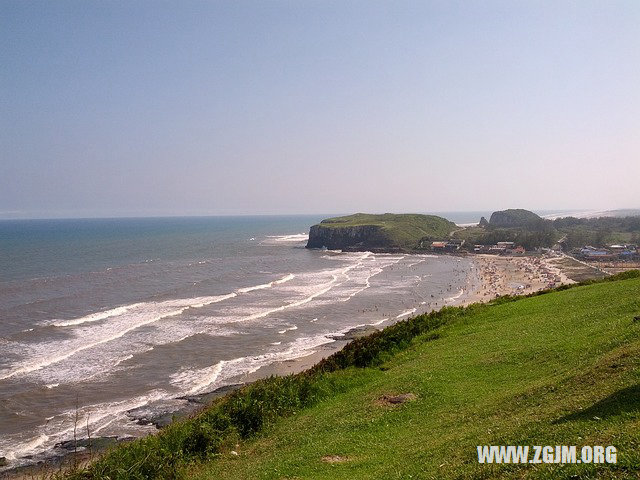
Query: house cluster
[[448, 246], [500, 248], [611, 253]]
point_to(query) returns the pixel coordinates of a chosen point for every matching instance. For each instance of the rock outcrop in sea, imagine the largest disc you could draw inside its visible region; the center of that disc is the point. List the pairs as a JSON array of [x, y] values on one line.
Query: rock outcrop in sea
[[388, 232]]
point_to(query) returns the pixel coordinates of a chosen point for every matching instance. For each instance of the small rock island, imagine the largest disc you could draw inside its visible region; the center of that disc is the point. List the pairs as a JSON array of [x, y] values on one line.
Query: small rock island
[[388, 232]]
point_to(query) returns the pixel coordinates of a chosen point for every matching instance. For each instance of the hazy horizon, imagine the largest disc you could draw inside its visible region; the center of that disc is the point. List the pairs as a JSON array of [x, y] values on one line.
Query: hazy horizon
[[280, 108], [553, 213]]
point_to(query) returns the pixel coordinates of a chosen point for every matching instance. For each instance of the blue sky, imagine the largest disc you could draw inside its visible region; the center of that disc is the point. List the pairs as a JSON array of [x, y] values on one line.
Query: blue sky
[[169, 108]]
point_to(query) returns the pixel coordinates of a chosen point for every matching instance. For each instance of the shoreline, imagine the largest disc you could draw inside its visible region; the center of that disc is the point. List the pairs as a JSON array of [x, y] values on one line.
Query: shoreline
[[497, 276], [195, 404]]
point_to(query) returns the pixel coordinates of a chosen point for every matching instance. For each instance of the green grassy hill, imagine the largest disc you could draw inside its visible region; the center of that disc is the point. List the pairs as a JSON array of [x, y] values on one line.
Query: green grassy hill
[[561, 368], [513, 217], [378, 231]]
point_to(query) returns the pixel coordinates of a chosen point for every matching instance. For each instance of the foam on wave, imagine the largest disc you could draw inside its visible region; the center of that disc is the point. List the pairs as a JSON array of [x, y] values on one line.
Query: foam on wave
[[455, 297], [134, 317], [94, 317], [284, 279], [407, 313]]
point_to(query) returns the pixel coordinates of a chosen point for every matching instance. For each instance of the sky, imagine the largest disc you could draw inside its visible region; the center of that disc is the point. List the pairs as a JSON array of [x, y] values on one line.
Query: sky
[[136, 108]]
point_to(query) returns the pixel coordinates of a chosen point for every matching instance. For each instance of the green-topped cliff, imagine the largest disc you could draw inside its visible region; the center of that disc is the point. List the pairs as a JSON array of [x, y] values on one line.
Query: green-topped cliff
[[388, 231]]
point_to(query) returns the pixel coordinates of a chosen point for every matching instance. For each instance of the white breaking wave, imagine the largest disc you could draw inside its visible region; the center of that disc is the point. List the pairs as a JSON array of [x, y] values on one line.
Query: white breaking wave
[[94, 317], [408, 312], [370, 324], [296, 237], [209, 378], [366, 285], [416, 263], [284, 279], [60, 427], [125, 319], [376, 271], [140, 312], [325, 288], [288, 329], [333, 255], [455, 297], [378, 322], [30, 446], [206, 376], [208, 301], [117, 311], [124, 359]]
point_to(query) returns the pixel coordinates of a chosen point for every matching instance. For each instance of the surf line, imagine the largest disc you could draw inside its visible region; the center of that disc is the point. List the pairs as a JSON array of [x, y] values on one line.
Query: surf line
[[63, 356], [284, 279], [408, 312], [325, 288], [367, 284]]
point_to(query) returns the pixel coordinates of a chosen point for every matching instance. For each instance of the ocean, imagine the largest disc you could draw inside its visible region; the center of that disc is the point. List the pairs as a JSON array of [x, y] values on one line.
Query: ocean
[[106, 321]]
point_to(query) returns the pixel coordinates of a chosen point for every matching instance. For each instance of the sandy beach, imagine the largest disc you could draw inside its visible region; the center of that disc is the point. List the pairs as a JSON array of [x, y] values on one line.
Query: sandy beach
[[515, 276]]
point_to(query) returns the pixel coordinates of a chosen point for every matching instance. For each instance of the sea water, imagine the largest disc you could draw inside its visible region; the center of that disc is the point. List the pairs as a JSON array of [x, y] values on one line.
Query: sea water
[[102, 321]]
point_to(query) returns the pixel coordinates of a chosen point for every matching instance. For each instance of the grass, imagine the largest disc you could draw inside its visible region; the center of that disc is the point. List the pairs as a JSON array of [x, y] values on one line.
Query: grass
[[561, 368], [470, 234], [403, 230]]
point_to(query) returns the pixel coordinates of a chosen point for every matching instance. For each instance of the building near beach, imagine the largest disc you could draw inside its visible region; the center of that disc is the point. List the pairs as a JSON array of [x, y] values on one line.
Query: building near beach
[[438, 246], [592, 253], [449, 246]]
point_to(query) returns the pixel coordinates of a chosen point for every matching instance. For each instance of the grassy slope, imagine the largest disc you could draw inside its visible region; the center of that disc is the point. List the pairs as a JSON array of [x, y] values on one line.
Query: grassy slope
[[402, 229], [470, 234], [561, 368]]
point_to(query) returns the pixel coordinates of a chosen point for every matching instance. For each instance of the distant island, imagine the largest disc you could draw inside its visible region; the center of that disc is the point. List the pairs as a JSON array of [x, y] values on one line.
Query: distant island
[[386, 232]]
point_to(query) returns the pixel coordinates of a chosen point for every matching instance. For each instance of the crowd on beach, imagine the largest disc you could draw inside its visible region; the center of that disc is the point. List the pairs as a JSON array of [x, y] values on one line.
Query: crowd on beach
[[515, 275]]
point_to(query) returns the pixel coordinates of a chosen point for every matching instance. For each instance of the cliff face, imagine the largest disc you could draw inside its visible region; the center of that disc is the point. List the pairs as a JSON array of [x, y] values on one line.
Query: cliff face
[[351, 237]]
